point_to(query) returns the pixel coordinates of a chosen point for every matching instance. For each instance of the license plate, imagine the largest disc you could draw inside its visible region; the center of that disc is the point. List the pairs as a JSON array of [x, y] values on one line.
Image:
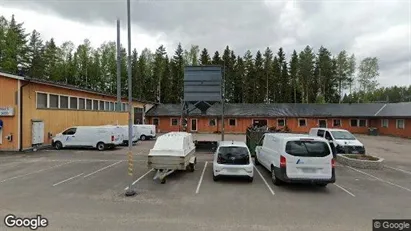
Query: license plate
[[231, 170], [354, 152], [309, 170]]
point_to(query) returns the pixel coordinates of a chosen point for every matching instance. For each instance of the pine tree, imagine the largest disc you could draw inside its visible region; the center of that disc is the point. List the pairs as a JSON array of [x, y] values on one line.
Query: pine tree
[[239, 81], [268, 65], [342, 71], [51, 61], [325, 76], [134, 70], [217, 59], [178, 75], [306, 72], [294, 76], [248, 77], [3, 31], [158, 69], [275, 81], [166, 81], [205, 57], [35, 56], [15, 47], [259, 82]]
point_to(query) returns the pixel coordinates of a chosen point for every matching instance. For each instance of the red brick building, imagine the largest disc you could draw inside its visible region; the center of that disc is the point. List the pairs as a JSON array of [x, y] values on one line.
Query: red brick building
[[390, 119]]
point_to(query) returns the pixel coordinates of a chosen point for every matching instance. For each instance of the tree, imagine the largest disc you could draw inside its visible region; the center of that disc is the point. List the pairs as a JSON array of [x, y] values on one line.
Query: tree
[[259, 82], [368, 72], [205, 57], [239, 80], [52, 60], [343, 68], [35, 56], [178, 75], [66, 53], [351, 71], [294, 75], [158, 69], [134, 70], [325, 80], [268, 62], [3, 31], [217, 59], [306, 72], [248, 77]]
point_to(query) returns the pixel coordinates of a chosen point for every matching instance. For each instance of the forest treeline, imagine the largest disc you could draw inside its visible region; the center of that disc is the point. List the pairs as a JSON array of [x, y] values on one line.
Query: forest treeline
[[308, 76]]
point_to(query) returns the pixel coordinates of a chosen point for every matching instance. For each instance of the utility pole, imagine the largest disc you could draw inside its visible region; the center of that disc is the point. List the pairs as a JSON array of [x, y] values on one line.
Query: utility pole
[[118, 108], [130, 191]]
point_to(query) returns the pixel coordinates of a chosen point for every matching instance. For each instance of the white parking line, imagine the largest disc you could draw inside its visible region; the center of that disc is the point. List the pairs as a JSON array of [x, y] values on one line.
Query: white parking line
[[141, 177], [268, 186], [398, 169], [201, 178], [101, 169], [345, 190], [385, 181], [31, 173], [67, 179]]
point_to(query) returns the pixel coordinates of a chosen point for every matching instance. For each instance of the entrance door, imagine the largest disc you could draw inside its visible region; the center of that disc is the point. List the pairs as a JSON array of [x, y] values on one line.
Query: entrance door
[[194, 125], [322, 123], [37, 132]]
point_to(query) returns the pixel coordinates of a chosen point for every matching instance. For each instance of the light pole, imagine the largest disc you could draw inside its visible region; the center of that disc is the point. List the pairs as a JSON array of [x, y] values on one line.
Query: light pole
[[130, 191]]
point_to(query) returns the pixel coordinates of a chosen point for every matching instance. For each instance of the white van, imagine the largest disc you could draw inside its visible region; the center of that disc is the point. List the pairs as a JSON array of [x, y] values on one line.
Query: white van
[[298, 158], [124, 133], [146, 131], [100, 137], [343, 140]]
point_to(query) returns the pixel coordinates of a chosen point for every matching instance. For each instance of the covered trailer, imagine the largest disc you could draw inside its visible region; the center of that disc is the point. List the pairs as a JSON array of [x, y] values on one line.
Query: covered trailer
[[171, 152]]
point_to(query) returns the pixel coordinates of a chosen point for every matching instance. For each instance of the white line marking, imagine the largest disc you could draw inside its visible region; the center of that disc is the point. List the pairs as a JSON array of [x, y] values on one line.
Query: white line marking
[[101, 169], [345, 190], [141, 177], [201, 177], [268, 186], [398, 169], [388, 182], [67, 179], [28, 174]]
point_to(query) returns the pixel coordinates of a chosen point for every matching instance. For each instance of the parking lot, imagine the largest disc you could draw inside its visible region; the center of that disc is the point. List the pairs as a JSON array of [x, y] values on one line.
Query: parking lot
[[84, 190]]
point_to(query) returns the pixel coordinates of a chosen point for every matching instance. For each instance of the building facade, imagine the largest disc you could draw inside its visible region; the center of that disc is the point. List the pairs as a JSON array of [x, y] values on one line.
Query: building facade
[[388, 119], [33, 111]]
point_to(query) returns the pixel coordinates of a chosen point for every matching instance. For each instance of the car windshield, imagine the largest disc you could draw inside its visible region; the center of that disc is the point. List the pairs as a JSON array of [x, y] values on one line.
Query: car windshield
[[307, 148], [232, 151], [342, 135]]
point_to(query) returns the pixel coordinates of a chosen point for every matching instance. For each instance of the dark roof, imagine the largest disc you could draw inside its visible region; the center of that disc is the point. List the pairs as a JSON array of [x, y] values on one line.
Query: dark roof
[[291, 110], [76, 88], [395, 110]]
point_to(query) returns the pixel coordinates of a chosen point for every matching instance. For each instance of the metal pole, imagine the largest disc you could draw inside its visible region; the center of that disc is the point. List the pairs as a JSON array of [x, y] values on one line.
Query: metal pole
[[222, 113], [130, 191], [118, 108]]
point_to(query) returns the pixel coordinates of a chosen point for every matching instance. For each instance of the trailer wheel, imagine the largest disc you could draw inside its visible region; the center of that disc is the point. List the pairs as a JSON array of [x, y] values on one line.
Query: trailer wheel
[[163, 181], [190, 167]]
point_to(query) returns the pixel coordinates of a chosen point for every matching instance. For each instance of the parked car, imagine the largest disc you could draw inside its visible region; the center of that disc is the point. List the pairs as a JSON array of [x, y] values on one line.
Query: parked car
[[233, 158], [100, 137], [343, 140], [146, 131], [296, 158], [124, 133]]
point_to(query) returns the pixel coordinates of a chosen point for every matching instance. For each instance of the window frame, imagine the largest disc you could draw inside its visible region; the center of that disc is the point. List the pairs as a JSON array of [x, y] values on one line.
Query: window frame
[[212, 119], [58, 101], [84, 103], [158, 121], [382, 123], [403, 124], [339, 123], [232, 119], [37, 98], [73, 97], [302, 119], [171, 121], [278, 124], [68, 101], [366, 123], [356, 123]]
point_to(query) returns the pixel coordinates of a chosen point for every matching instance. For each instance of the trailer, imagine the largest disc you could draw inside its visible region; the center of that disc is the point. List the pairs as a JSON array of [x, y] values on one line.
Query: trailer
[[173, 151]]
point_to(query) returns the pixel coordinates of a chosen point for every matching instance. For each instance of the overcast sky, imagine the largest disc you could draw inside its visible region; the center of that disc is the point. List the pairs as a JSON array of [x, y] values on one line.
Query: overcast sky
[[365, 28]]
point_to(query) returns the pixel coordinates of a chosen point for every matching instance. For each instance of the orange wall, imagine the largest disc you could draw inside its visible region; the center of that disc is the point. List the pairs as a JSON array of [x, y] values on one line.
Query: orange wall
[[8, 93], [392, 128], [243, 123], [56, 120]]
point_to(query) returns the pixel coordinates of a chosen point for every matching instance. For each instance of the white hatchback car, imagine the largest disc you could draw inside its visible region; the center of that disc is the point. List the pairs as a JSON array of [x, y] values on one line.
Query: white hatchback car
[[233, 158]]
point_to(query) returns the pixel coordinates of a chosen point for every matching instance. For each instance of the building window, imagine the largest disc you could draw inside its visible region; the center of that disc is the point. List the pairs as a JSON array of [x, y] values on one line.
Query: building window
[[89, 104], [111, 106], [73, 102], [280, 122], [106, 106], [336, 123], [174, 122], [95, 105], [123, 107], [41, 100], [64, 102], [54, 101], [156, 121], [384, 123], [81, 104], [354, 123], [302, 122], [101, 108], [362, 123], [212, 122], [400, 124], [232, 122]]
